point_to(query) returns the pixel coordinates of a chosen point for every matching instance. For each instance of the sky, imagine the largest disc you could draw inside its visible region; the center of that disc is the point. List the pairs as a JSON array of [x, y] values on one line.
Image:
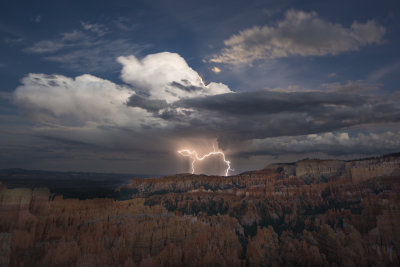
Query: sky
[[121, 86]]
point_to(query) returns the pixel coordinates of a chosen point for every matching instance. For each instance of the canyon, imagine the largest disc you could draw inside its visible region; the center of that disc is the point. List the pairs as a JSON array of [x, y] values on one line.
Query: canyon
[[308, 213]]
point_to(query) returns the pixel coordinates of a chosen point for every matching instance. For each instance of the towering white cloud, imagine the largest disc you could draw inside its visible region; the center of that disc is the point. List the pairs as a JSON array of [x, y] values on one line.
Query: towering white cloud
[[299, 33], [159, 79], [166, 76]]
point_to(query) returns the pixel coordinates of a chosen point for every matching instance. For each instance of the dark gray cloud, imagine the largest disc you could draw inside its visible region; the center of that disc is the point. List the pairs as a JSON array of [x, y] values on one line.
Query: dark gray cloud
[[151, 105], [186, 86], [267, 102], [332, 143], [237, 117]]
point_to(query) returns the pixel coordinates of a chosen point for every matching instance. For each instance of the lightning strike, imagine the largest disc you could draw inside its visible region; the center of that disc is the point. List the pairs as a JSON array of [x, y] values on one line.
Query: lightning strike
[[195, 157]]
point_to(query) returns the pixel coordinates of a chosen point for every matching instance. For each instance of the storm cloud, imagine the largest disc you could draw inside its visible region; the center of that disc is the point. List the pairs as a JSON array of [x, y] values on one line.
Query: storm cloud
[[261, 114], [267, 102]]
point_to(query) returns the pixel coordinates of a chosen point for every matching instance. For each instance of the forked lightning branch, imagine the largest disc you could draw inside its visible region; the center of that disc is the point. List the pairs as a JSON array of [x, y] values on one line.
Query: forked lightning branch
[[195, 157]]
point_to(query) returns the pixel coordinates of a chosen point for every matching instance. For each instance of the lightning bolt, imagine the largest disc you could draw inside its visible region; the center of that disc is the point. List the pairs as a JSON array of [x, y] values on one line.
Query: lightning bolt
[[195, 157]]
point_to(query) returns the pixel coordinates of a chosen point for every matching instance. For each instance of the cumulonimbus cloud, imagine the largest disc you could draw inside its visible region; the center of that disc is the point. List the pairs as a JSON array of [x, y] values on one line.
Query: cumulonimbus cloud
[[154, 81], [298, 33]]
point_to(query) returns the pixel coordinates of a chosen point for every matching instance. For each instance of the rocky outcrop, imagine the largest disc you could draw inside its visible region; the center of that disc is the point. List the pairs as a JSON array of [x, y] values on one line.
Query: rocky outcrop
[[316, 170], [320, 169], [365, 169]]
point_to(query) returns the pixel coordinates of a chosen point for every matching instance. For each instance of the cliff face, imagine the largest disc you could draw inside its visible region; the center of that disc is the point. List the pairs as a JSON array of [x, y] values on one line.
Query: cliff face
[[309, 213], [322, 170], [366, 169]]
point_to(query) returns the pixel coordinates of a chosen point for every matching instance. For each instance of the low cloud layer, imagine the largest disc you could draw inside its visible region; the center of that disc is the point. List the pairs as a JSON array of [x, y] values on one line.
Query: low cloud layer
[[331, 143], [261, 114], [352, 87], [298, 34]]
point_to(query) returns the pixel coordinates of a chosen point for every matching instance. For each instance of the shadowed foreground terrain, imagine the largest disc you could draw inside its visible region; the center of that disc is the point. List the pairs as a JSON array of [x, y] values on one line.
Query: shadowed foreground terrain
[[308, 213]]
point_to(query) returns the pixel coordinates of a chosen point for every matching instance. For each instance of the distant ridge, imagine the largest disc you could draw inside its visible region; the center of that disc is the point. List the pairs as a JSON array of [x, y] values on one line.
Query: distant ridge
[[82, 185], [391, 155], [49, 172]]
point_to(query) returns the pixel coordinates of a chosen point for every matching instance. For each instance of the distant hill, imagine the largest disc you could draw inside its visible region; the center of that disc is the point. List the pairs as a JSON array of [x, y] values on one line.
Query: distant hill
[[80, 185]]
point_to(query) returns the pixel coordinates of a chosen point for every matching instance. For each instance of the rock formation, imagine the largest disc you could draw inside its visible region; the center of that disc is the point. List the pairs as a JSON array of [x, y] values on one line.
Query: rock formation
[[308, 213]]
